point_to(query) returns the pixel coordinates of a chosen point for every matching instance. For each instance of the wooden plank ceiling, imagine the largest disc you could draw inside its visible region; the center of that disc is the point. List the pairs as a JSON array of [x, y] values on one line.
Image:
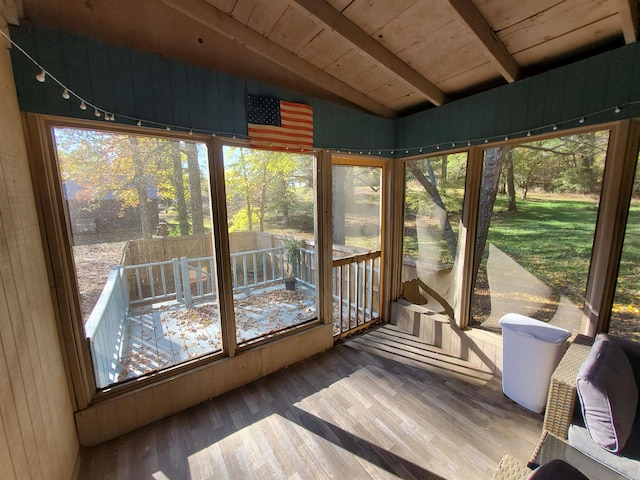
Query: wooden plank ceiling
[[387, 57]]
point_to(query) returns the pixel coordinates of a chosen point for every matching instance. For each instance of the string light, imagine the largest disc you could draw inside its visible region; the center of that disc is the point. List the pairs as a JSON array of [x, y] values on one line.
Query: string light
[[84, 105]]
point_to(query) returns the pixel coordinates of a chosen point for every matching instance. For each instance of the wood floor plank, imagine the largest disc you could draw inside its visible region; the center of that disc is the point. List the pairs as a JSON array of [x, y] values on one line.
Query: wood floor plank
[[364, 409]]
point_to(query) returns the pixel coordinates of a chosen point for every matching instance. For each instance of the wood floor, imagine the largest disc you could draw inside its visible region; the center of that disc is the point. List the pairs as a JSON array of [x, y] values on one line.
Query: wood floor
[[369, 408]]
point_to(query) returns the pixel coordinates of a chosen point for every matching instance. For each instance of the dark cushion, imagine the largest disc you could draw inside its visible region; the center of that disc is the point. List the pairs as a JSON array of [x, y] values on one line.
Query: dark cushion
[[556, 470], [608, 394]]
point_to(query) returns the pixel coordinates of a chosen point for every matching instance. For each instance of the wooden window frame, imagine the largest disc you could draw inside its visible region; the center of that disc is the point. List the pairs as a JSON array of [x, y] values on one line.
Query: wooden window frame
[[615, 197], [56, 234]]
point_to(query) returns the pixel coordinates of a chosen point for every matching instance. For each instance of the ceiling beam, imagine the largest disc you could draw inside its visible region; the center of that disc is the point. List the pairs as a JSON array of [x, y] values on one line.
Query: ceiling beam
[[11, 11], [217, 20], [468, 14], [363, 42], [629, 14]]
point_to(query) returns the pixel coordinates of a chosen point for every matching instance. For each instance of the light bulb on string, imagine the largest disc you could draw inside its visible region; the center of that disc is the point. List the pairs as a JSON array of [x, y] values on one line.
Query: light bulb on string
[[582, 120], [97, 113], [83, 106], [437, 147], [617, 110], [529, 133], [213, 134], [486, 140], [555, 127], [168, 128], [65, 94], [42, 76], [190, 133], [139, 123]]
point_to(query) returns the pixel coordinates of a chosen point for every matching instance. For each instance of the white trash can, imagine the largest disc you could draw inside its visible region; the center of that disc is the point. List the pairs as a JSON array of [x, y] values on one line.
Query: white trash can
[[531, 350]]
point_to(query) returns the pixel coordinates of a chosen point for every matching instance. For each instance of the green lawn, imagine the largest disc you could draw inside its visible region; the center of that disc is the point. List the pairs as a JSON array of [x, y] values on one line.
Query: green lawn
[[552, 239]]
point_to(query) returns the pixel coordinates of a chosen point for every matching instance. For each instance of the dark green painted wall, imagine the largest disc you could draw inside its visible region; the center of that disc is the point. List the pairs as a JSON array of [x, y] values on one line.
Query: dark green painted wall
[[148, 87], [590, 88], [152, 88]]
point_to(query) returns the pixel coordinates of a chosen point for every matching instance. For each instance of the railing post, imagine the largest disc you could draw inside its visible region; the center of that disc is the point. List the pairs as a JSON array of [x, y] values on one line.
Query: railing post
[[186, 285], [177, 279]]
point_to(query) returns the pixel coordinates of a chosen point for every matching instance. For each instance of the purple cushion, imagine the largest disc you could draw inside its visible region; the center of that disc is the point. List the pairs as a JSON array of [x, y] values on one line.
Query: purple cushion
[[556, 470], [608, 394]]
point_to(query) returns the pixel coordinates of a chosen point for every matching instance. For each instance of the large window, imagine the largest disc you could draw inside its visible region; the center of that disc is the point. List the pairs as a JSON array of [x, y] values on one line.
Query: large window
[[272, 238], [434, 192], [625, 316], [537, 215], [139, 214]]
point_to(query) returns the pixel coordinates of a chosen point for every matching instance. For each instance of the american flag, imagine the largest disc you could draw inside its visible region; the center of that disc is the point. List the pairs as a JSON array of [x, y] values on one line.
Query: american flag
[[279, 125]]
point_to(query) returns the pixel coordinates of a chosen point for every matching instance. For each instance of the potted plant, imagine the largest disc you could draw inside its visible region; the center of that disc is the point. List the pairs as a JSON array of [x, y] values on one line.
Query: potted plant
[[292, 256]]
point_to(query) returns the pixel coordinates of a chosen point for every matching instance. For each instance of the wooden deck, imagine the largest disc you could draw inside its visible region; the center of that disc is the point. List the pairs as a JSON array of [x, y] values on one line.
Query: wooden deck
[[378, 405]]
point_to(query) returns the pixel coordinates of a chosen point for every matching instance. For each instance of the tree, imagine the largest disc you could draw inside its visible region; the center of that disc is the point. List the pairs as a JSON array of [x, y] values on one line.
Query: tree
[[493, 159], [429, 184], [178, 181], [131, 170], [195, 187], [258, 180], [511, 187]]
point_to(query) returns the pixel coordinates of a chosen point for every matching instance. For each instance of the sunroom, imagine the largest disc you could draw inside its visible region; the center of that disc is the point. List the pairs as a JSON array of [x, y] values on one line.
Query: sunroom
[[205, 200]]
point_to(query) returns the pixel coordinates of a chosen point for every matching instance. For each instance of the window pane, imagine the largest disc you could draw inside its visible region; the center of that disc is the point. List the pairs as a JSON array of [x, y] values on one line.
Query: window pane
[[356, 207], [140, 222], [537, 215], [270, 210], [357, 216], [625, 316], [434, 193]]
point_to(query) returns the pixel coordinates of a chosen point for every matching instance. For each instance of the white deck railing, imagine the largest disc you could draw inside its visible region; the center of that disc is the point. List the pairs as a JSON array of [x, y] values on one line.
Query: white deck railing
[[356, 282], [105, 328]]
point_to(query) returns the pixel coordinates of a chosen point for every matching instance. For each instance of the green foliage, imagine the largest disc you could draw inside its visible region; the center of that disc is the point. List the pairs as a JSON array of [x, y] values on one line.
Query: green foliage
[[240, 221], [292, 255]]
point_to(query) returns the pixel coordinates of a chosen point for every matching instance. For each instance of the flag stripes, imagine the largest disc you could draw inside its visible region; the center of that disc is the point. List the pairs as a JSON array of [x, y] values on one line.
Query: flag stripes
[[279, 125]]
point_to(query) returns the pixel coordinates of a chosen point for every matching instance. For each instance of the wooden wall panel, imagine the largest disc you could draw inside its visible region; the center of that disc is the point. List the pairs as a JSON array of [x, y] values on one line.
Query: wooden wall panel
[[152, 88], [37, 432], [111, 418]]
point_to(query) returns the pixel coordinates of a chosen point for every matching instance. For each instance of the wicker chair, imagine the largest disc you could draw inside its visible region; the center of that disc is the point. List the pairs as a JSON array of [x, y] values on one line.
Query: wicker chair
[[510, 469]]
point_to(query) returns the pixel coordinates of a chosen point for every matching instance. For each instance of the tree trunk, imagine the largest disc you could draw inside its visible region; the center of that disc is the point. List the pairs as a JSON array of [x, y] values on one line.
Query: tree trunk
[[447, 231], [183, 214], [195, 188], [511, 184], [140, 182], [337, 206], [444, 167], [490, 179], [247, 193]]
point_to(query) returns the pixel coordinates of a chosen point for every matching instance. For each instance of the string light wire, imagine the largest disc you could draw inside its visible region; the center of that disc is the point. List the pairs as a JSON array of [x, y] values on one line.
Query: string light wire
[[84, 104]]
